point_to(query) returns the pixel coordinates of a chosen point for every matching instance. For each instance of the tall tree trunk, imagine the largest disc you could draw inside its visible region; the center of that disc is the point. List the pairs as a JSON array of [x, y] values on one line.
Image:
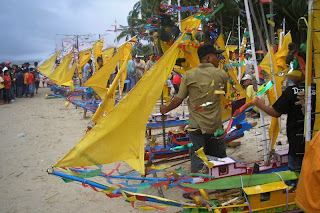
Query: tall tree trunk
[[257, 27]]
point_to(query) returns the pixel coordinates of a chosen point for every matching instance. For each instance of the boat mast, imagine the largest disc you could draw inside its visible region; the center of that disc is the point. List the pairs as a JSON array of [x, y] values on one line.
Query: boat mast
[[307, 119], [264, 136]]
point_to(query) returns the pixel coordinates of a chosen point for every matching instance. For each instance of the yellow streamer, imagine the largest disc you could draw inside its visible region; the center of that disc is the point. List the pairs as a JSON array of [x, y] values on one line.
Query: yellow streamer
[[200, 153]]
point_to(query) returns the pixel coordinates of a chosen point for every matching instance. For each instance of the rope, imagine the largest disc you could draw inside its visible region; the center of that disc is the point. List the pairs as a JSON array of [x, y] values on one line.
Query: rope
[[287, 191], [245, 196]]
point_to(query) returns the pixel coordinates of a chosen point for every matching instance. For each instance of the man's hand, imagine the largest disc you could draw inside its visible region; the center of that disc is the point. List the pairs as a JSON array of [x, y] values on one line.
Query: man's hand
[[260, 103], [163, 109]]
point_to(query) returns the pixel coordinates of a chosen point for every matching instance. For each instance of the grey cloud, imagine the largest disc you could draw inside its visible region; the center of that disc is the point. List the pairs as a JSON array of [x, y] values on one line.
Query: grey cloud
[[29, 28]]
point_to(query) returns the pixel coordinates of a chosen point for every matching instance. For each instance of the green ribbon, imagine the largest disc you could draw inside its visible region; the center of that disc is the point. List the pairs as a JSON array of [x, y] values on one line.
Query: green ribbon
[[265, 87], [182, 147], [201, 17], [270, 15], [236, 64], [84, 175], [193, 174]]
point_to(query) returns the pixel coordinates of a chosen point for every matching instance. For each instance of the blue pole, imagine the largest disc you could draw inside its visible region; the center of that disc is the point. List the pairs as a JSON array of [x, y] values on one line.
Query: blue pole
[[97, 185], [124, 177], [100, 186]]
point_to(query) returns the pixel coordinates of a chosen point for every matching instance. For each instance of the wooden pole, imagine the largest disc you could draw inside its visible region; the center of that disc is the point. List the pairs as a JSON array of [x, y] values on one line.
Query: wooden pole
[[257, 27], [307, 119], [264, 21], [264, 136], [239, 41], [163, 126]]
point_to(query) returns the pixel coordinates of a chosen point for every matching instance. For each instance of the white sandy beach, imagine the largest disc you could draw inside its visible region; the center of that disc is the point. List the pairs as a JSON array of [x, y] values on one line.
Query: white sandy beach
[[51, 130]]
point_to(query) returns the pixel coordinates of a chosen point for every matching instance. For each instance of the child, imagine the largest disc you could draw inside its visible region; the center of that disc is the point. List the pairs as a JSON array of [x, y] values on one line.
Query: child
[[31, 84], [286, 104], [7, 87], [1, 87]]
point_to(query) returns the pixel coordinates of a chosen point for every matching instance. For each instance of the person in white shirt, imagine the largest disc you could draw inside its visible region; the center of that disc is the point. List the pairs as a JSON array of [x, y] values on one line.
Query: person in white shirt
[[139, 65]]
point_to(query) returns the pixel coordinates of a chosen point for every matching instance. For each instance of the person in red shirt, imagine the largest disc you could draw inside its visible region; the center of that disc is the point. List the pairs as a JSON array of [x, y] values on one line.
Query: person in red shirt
[[176, 82], [7, 87], [31, 84]]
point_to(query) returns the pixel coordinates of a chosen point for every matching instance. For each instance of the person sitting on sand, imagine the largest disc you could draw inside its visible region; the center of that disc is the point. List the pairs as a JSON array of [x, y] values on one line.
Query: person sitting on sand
[[246, 83]]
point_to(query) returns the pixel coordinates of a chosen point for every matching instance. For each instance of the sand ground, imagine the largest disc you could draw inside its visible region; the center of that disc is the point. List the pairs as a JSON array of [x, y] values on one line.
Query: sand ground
[[51, 130]]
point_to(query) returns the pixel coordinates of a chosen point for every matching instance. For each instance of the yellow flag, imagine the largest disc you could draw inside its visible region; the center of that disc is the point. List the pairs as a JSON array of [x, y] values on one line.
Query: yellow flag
[[110, 98], [121, 135], [107, 55], [271, 22], [235, 90], [190, 24], [99, 81], [316, 45], [84, 57], [97, 51], [265, 65], [281, 55], [66, 80], [47, 66], [60, 71]]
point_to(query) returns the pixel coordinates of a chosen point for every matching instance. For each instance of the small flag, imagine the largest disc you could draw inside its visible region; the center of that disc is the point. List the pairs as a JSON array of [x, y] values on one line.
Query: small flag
[[271, 22]]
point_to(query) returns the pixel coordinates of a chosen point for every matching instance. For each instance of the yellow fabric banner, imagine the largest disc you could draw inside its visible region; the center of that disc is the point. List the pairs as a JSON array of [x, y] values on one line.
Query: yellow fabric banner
[[107, 54], [316, 46], [99, 81], [121, 134], [281, 55], [97, 51], [235, 90], [84, 57], [110, 98], [47, 66], [190, 24], [66, 80], [60, 71], [265, 65]]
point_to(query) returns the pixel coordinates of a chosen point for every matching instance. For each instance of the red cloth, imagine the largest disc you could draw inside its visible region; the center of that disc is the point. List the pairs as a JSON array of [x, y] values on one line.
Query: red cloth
[[31, 78], [7, 82], [176, 79]]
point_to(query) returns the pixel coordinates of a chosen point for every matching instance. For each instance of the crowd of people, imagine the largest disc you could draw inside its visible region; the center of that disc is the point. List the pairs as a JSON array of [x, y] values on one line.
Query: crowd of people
[[18, 82]]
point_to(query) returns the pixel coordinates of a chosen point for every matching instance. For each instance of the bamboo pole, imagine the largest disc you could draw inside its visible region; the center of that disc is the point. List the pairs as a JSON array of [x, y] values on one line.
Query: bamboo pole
[[264, 136], [257, 27], [307, 119], [239, 41]]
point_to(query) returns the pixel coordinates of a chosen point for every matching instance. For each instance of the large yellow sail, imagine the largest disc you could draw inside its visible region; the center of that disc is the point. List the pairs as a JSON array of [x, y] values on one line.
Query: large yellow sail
[[99, 81], [60, 71], [121, 135], [109, 100], [66, 80], [47, 66], [107, 54], [84, 57], [97, 51]]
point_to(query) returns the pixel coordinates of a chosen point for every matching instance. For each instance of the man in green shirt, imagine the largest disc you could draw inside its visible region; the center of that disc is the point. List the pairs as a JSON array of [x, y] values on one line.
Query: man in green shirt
[[202, 85]]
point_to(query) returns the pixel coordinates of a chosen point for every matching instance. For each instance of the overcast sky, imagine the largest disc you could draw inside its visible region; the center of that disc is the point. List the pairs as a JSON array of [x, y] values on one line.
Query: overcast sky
[[29, 27]]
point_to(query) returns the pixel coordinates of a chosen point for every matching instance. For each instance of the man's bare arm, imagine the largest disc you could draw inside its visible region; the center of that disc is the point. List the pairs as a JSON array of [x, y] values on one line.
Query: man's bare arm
[[269, 110], [174, 104]]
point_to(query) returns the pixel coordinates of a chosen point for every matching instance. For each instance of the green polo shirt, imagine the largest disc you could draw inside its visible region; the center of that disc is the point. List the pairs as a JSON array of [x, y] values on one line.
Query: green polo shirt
[[199, 84]]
